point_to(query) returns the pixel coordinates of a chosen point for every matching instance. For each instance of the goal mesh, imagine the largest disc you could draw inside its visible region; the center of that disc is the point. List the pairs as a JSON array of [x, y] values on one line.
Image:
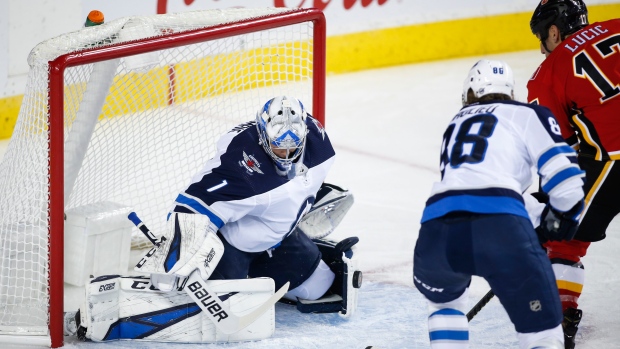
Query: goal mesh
[[136, 127]]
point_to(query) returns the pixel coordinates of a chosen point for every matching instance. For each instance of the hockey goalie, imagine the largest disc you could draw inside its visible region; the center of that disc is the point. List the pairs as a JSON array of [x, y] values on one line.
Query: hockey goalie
[[248, 230]]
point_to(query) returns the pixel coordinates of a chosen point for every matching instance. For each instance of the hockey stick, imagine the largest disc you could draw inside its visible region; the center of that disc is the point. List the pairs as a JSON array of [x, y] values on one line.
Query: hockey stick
[[470, 315], [481, 303], [200, 292]]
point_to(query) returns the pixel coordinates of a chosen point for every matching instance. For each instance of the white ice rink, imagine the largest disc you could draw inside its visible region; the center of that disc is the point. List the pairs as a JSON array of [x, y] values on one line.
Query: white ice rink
[[387, 126]]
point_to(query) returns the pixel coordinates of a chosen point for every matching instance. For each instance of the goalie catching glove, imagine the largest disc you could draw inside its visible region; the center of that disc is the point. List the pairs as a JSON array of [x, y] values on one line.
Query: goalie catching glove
[[331, 205], [189, 243]]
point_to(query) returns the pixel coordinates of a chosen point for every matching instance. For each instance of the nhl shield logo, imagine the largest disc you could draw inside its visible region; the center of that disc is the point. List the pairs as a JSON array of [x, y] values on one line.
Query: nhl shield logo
[[250, 163], [535, 305]]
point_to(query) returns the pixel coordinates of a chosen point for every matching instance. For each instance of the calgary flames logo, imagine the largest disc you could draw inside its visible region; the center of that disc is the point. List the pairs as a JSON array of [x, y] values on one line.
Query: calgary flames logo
[[250, 163]]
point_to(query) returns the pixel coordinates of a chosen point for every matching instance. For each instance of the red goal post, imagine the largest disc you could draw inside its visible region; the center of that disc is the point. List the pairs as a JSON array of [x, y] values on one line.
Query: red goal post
[[127, 112]]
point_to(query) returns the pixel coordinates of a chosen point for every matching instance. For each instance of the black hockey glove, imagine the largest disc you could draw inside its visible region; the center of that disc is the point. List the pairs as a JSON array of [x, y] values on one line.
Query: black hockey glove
[[556, 225], [541, 196]]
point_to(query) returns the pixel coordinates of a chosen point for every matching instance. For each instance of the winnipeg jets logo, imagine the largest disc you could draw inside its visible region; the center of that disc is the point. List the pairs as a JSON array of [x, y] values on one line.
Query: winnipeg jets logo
[[319, 127], [250, 163]]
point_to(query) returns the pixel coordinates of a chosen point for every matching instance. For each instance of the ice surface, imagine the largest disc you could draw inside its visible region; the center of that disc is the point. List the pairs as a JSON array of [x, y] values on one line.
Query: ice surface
[[386, 125]]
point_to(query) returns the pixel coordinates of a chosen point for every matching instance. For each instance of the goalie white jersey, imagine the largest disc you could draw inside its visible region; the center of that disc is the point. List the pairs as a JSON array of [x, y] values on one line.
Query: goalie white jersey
[[481, 145], [241, 192]]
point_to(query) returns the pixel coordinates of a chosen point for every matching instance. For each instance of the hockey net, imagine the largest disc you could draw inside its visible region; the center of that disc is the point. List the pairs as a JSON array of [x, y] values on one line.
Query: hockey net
[[127, 112]]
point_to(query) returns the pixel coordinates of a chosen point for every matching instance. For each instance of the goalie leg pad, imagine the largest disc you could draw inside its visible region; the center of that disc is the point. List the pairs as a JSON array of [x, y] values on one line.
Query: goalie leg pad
[[130, 308], [331, 205], [343, 294], [315, 286]]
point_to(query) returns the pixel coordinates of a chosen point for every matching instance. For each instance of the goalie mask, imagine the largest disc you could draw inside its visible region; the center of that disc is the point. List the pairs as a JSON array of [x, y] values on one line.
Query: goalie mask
[[282, 129], [489, 77]]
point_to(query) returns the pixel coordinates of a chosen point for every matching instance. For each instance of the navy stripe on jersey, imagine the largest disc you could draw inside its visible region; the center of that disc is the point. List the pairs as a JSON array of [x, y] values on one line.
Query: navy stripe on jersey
[[475, 192], [485, 201], [555, 151]]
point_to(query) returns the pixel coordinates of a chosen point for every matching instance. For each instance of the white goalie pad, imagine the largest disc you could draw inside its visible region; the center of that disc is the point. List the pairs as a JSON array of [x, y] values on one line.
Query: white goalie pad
[[130, 308], [353, 283], [327, 212]]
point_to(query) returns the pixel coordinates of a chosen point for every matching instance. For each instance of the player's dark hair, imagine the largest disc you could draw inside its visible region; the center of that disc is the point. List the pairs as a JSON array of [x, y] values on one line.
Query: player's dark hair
[[568, 15], [471, 97]]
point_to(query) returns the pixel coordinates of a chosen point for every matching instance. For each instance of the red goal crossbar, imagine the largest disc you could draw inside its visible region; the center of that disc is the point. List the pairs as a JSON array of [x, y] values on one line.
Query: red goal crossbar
[[57, 68]]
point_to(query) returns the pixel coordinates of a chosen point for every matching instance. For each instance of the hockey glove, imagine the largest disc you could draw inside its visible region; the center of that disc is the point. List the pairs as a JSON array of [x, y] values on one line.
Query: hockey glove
[[541, 196], [557, 226], [189, 243], [205, 259]]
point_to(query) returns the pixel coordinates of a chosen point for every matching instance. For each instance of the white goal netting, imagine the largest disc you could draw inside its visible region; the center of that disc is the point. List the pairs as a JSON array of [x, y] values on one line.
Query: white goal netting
[[136, 128]]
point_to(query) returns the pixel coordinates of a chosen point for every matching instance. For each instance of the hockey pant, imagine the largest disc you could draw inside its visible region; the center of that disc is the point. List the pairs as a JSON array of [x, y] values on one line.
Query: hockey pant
[[295, 260], [451, 249]]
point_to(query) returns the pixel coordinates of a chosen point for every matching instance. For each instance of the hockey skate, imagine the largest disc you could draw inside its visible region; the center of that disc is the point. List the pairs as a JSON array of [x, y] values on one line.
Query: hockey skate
[[71, 320], [571, 320]]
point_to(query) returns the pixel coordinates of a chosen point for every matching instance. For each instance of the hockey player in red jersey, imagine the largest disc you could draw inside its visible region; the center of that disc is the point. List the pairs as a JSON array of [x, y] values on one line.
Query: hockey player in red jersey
[[580, 82]]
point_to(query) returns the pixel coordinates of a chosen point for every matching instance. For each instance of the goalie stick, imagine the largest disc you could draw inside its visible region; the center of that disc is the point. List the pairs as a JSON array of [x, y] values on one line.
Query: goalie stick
[[481, 303], [200, 292]]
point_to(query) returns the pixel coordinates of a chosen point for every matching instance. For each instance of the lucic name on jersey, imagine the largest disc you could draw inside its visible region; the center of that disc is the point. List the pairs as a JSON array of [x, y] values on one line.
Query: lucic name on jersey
[[240, 191], [579, 81], [487, 154]]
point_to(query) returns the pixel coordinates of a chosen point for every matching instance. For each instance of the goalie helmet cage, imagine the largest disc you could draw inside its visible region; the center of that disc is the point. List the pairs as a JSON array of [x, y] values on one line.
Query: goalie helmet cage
[[127, 112]]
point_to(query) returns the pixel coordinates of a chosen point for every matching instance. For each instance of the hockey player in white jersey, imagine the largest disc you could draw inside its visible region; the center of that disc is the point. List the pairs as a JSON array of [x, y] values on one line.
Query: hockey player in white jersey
[[476, 222], [256, 210]]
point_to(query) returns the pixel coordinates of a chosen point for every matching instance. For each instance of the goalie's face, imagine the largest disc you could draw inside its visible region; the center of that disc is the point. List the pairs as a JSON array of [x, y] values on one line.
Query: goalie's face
[[282, 153], [282, 129]]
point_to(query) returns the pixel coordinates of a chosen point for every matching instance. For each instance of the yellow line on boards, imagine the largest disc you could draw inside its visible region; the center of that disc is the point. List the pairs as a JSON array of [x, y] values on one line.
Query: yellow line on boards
[[374, 49]]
